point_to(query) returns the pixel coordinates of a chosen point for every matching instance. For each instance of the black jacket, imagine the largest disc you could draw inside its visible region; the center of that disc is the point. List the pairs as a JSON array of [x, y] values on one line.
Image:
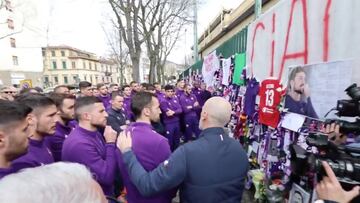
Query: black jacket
[[116, 119]]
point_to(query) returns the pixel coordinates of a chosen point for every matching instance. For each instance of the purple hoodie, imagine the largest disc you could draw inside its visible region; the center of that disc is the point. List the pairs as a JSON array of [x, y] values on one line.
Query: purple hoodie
[[89, 148], [150, 149], [38, 154]]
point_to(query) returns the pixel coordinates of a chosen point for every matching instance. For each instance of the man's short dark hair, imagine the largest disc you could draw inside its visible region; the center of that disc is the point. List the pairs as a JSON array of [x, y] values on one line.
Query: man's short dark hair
[[85, 101], [156, 83], [27, 91], [295, 71], [39, 89], [35, 100], [187, 85], [84, 84], [169, 87], [125, 86], [59, 98], [179, 80], [115, 94], [11, 111], [60, 86], [113, 85], [132, 82], [100, 85], [150, 87], [139, 101]]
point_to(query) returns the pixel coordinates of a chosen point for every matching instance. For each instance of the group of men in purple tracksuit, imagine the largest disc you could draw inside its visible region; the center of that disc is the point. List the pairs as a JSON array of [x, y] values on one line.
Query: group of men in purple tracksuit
[[181, 111], [83, 129]]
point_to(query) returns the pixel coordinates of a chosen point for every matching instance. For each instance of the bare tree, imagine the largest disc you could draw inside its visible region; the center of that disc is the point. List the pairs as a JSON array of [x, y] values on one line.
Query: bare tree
[[126, 12], [118, 51], [157, 23], [168, 17]]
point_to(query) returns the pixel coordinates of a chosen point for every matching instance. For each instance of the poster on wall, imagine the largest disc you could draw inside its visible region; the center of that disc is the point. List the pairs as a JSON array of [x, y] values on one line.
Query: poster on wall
[[298, 195], [210, 65], [303, 32], [313, 90]]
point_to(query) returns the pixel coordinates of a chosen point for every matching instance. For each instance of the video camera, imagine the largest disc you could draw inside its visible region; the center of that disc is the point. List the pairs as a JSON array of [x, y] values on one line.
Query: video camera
[[349, 108], [343, 160]]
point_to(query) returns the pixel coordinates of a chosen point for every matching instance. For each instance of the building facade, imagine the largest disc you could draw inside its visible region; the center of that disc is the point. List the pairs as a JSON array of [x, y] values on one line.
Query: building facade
[[172, 70], [20, 57], [144, 67], [229, 23], [68, 65]]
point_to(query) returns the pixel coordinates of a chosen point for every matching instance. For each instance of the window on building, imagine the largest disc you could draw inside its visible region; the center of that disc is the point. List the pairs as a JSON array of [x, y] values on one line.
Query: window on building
[[73, 65], [62, 53], [10, 24], [15, 60], [91, 79], [95, 66], [54, 65], [85, 78], [56, 79], [111, 79], [46, 79], [43, 53], [65, 80], [12, 42], [53, 53], [64, 64], [8, 5], [90, 66], [84, 65]]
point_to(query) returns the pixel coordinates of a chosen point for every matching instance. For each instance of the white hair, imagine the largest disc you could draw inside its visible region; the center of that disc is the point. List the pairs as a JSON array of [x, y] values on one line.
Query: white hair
[[54, 183]]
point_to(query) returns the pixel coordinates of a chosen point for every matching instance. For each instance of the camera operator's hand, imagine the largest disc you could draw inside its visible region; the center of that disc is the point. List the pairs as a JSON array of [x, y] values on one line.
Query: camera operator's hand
[[330, 189], [335, 136]]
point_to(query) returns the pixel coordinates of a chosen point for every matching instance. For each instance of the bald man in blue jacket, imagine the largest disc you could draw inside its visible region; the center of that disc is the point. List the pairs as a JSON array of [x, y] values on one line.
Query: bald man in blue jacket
[[210, 169]]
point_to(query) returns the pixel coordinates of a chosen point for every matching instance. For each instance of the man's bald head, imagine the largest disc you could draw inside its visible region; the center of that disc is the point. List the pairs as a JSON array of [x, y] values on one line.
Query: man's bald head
[[216, 113]]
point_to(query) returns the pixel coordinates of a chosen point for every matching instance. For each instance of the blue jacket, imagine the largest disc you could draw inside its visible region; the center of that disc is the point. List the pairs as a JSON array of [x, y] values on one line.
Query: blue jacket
[[210, 169]]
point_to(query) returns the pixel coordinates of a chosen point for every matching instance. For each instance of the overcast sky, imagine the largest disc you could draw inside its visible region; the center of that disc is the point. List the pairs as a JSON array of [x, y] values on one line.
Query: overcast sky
[[78, 23]]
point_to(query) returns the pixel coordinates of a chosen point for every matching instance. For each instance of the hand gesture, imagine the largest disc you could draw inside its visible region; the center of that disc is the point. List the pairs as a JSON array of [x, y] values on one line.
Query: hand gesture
[[196, 104], [124, 142], [110, 134], [170, 113], [306, 91]]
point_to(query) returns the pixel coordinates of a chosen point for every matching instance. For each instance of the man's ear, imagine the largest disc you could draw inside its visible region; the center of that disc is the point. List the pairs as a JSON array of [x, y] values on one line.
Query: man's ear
[[146, 111], [2, 139], [86, 116], [204, 115], [31, 118], [291, 84]]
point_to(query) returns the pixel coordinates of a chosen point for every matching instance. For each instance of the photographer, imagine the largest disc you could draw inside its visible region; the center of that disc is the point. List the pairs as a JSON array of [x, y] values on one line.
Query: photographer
[[330, 190]]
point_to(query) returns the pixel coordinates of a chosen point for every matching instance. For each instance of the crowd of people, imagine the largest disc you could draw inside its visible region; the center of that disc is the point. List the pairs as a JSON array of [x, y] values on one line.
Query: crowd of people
[[135, 143]]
